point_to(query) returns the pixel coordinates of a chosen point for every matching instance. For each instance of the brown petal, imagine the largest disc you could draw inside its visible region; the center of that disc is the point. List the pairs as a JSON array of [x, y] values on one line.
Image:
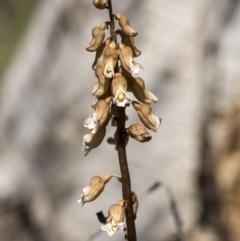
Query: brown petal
[[98, 35], [138, 133], [125, 25], [129, 41]]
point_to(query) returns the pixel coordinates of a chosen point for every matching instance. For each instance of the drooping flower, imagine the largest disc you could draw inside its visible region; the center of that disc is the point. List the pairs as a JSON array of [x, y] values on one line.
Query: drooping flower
[[98, 34], [115, 219], [125, 25], [141, 93], [99, 117], [129, 41], [98, 62], [103, 84], [145, 114], [138, 133], [110, 58], [119, 91], [95, 188], [127, 61], [93, 140]]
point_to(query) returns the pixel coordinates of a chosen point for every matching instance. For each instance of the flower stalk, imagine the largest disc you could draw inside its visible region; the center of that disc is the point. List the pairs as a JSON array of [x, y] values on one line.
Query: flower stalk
[[114, 83]]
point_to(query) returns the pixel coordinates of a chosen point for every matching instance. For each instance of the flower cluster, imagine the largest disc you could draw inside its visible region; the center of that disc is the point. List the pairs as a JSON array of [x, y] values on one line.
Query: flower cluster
[[115, 82], [116, 70]]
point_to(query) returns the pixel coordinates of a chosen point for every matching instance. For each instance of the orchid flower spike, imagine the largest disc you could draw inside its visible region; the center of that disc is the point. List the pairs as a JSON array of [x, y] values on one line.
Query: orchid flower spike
[[98, 34], [119, 91], [100, 4], [95, 188], [115, 218], [125, 25], [141, 93], [127, 61], [139, 133], [145, 114]]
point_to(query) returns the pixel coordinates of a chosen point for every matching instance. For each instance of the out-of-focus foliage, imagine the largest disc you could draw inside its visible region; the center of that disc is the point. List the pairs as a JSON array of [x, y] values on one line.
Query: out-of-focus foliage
[[14, 18]]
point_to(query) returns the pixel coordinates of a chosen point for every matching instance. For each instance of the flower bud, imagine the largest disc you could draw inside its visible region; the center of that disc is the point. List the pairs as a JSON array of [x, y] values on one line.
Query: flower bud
[[124, 24], [99, 117], [110, 58], [141, 93], [138, 133], [127, 61], [98, 35], [98, 62], [119, 91], [145, 114], [129, 41], [103, 84], [93, 140], [115, 219], [100, 4], [95, 188]]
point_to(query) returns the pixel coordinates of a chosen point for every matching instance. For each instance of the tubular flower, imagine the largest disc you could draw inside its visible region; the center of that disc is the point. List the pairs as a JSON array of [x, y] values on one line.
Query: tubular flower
[[129, 41], [103, 83], [115, 219], [98, 62], [129, 78], [110, 58], [145, 114], [100, 4], [127, 61], [119, 91], [95, 188], [141, 93], [98, 34], [99, 117], [93, 140], [124, 24], [138, 133]]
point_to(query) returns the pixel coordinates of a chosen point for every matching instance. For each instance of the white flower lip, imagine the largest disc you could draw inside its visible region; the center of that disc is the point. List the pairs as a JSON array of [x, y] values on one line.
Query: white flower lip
[[111, 229], [91, 123], [127, 100]]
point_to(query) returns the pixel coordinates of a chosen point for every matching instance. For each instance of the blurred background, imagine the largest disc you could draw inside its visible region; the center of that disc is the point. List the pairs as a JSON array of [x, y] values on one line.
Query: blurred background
[[191, 59]]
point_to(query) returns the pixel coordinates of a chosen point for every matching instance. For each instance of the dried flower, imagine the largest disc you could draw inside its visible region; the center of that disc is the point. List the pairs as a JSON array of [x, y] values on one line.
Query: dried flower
[[125, 25], [100, 4], [145, 114], [98, 34], [99, 117], [110, 58], [119, 90], [127, 61], [98, 62], [138, 133], [103, 84], [141, 93], [115, 219], [95, 188], [93, 140], [129, 41]]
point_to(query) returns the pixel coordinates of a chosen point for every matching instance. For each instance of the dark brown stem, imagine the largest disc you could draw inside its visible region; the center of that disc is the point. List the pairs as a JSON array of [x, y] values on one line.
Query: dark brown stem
[[122, 156]]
